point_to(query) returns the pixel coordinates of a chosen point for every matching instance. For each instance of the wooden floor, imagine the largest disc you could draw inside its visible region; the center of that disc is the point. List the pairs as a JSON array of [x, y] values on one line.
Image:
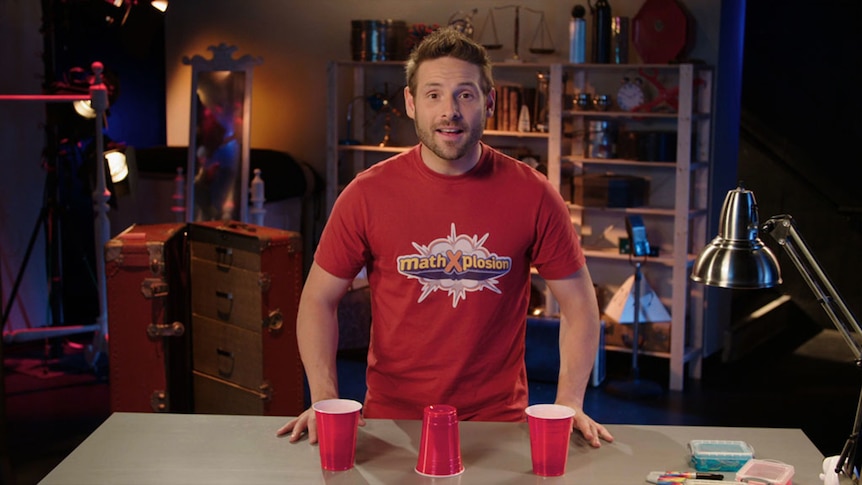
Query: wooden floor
[[54, 400]]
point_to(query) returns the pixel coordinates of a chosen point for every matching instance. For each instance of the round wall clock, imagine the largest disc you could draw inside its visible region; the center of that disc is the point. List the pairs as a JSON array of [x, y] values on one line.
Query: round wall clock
[[631, 94]]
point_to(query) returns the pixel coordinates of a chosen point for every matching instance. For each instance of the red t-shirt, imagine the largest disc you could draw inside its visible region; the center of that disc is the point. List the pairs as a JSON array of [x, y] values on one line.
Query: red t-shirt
[[448, 261]]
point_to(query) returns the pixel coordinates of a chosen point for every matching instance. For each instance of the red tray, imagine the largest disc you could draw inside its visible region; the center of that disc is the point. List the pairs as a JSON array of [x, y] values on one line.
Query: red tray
[[659, 31]]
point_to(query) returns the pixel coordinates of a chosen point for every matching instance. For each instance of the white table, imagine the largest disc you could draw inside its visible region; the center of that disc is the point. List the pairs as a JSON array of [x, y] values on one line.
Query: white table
[[132, 448]]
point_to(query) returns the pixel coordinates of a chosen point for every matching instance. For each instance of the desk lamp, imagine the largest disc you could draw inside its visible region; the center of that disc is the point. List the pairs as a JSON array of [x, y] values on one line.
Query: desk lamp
[[737, 258]]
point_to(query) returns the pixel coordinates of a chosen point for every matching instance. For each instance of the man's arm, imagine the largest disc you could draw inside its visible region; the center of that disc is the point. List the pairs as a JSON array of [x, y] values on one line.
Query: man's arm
[[579, 339], [317, 336]]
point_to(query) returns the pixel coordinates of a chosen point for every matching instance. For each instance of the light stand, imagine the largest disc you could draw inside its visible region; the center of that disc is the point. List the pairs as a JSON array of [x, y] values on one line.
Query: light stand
[[98, 97], [101, 196], [737, 258], [636, 387]]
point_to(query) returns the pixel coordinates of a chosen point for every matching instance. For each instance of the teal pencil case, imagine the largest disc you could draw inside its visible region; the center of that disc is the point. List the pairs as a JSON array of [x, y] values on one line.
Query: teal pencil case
[[718, 455]]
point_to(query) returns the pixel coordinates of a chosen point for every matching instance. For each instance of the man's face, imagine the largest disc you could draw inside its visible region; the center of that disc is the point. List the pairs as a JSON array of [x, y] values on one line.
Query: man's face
[[449, 111]]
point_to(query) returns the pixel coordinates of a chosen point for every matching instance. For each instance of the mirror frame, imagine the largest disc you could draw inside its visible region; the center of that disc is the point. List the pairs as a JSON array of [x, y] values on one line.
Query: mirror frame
[[222, 60]]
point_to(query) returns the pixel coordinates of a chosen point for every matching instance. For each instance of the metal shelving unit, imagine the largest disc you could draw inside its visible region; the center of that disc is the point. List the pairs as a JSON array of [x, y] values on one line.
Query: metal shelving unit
[[677, 219]]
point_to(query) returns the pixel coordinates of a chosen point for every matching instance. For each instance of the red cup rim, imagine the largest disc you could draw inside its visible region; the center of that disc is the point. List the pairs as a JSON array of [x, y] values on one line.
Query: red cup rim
[[337, 406], [550, 411]]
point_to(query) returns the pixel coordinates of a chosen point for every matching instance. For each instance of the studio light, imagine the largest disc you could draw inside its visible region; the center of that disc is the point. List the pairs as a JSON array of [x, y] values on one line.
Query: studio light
[[121, 170], [160, 5], [78, 80], [117, 166], [737, 258], [118, 11], [84, 108]]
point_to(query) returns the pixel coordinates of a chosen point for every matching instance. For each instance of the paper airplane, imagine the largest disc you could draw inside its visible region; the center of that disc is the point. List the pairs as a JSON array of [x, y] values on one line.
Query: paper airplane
[[621, 308]]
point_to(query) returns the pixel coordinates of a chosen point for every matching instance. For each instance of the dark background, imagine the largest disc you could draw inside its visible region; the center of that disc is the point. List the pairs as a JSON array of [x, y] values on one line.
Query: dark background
[[799, 125]]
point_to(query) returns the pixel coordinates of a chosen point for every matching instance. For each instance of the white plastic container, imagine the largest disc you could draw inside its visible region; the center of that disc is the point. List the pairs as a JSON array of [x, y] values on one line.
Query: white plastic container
[[766, 471]]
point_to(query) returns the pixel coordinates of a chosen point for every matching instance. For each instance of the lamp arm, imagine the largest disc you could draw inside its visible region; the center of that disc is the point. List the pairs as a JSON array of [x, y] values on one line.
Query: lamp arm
[[783, 229]]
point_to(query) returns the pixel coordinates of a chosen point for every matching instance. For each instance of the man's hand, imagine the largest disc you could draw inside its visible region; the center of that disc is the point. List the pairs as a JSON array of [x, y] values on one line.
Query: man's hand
[[306, 422], [592, 431], [296, 427]]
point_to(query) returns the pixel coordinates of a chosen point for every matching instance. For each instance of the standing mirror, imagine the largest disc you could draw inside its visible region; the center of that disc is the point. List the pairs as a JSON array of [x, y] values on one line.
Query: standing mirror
[[217, 177]]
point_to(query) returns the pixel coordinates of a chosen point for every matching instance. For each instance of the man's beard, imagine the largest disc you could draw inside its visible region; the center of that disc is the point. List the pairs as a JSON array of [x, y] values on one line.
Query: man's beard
[[449, 151]]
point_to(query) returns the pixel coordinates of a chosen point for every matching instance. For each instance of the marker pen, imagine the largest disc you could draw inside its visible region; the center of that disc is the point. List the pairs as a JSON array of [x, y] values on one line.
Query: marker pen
[[679, 477]]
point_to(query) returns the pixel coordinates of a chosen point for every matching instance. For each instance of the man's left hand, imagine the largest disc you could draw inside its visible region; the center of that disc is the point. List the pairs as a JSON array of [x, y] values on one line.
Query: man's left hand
[[592, 431]]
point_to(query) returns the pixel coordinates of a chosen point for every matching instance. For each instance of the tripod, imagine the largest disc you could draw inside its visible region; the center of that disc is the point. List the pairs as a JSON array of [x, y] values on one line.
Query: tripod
[[636, 387], [46, 219]]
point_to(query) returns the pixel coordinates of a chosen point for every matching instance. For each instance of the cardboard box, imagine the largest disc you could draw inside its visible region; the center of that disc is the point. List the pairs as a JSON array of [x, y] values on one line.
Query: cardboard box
[[652, 336], [610, 190]]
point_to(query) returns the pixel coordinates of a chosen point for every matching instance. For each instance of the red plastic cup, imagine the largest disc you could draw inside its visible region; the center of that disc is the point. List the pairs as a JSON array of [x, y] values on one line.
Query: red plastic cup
[[550, 430], [440, 444], [337, 427]]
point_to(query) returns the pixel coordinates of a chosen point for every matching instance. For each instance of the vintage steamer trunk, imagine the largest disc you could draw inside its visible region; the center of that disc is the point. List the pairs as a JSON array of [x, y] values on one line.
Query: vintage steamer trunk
[[149, 357], [244, 298]]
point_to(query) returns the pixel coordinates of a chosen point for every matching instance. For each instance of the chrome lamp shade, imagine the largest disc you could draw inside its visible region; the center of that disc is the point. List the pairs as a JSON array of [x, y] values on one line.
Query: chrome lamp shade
[[737, 258]]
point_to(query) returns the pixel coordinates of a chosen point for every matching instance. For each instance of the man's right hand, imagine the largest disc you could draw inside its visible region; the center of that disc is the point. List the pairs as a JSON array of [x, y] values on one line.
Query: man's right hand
[[306, 422]]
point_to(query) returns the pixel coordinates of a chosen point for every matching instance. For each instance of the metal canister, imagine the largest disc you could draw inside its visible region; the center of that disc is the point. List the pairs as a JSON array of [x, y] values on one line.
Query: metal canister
[[578, 37], [377, 40], [602, 139]]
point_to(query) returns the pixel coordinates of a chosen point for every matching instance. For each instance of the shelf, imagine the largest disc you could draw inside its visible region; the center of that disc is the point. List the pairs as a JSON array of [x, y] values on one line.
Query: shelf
[[618, 162], [630, 115], [688, 355], [620, 67], [614, 255], [517, 134], [398, 64], [520, 65], [647, 211], [372, 148], [533, 65], [570, 113]]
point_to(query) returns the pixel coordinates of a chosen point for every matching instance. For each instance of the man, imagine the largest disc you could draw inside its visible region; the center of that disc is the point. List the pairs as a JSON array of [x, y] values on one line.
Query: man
[[448, 232]]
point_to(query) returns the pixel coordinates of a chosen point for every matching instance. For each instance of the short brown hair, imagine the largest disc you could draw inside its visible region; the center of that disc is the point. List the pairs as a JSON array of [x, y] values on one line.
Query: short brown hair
[[448, 42]]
